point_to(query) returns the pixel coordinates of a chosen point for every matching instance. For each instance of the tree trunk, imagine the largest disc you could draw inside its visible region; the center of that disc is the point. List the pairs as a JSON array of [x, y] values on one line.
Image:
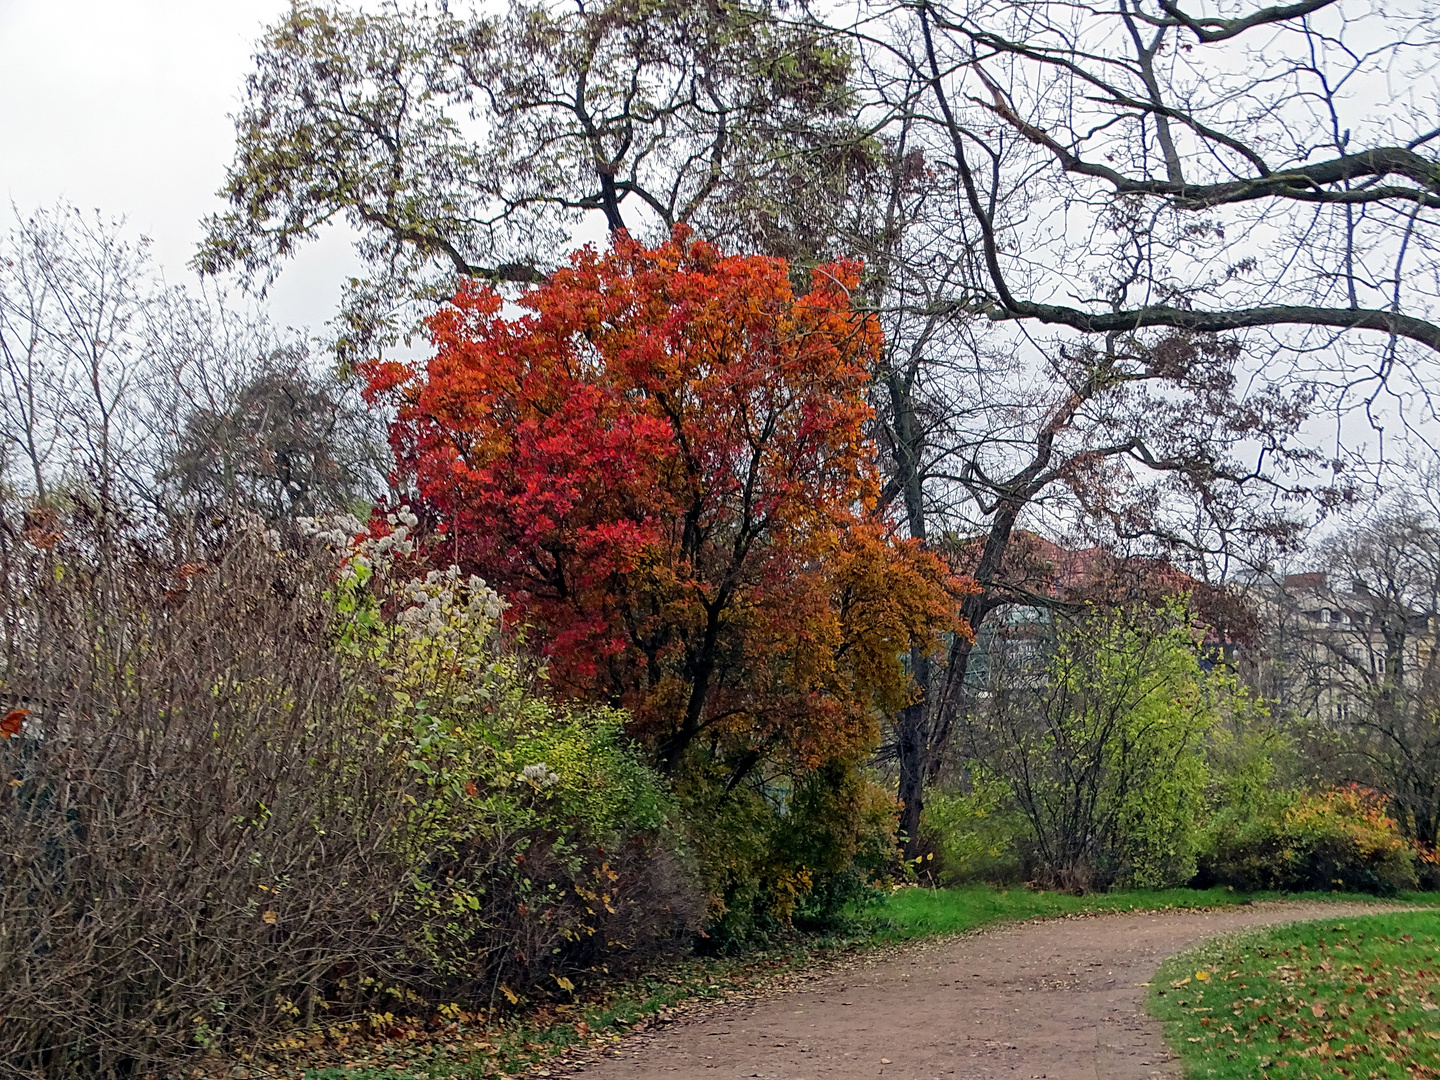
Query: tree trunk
[[912, 751], [925, 727], [913, 727]]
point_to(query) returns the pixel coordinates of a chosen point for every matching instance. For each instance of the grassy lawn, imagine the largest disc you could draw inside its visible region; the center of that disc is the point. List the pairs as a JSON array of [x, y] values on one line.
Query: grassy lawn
[[481, 1045], [1354, 997], [913, 913]]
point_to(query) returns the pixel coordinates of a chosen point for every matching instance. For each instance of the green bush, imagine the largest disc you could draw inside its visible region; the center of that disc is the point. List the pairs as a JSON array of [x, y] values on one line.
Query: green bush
[[787, 851], [1340, 839], [840, 830], [545, 847], [1101, 746], [542, 844], [1252, 762], [974, 837]]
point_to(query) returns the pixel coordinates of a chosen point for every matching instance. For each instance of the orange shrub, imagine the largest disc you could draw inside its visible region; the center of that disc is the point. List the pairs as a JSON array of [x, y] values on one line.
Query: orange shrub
[[1341, 839]]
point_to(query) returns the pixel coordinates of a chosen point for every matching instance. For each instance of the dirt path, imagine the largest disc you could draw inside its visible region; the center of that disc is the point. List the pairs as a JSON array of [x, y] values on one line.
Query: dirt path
[[1063, 1000]]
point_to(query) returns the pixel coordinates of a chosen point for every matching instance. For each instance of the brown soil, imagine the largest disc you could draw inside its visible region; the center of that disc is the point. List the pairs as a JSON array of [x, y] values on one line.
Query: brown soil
[[1061, 999]]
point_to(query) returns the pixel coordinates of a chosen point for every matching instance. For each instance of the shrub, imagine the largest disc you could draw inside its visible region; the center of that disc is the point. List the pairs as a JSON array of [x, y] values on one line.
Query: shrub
[[197, 828], [976, 836], [1341, 839], [729, 830], [539, 842], [841, 831], [791, 851], [541, 848], [1427, 868], [240, 793], [1100, 741]]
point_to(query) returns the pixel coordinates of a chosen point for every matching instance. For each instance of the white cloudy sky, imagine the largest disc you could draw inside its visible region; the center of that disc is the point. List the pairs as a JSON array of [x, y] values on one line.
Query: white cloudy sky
[[124, 105]]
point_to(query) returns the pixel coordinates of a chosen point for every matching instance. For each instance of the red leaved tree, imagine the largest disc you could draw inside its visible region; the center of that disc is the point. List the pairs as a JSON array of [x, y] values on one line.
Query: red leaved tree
[[663, 465]]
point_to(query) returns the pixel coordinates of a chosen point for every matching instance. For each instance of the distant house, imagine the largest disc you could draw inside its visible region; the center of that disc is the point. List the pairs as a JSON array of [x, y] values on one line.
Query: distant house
[[1331, 650], [1043, 579]]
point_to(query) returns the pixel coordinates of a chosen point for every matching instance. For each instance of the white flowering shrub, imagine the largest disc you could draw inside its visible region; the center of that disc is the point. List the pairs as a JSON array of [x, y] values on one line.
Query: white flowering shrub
[[539, 776], [539, 813]]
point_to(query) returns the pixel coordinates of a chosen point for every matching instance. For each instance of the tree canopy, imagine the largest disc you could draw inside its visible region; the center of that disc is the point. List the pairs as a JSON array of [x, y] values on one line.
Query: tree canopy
[[1155, 276], [474, 146], [663, 463]]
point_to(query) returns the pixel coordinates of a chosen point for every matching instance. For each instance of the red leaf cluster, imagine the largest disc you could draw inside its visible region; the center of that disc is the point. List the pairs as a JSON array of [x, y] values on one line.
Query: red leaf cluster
[[662, 463]]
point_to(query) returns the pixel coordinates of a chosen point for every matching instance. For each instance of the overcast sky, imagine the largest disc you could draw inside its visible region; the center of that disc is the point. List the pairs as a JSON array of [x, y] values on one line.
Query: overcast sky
[[124, 105]]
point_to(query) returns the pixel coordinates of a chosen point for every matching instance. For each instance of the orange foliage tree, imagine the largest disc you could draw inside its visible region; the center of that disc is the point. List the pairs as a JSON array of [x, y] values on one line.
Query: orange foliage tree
[[663, 464]]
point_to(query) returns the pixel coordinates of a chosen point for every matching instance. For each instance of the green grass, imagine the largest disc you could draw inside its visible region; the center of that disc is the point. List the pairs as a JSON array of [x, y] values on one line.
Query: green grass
[[913, 913], [1351, 997], [494, 1046]]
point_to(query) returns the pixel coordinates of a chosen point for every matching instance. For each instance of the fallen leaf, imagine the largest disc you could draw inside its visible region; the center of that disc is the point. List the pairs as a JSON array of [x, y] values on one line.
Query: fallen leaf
[[565, 984], [510, 994], [884, 1061], [44, 539], [1201, 976], [269, 917], [10, 726]]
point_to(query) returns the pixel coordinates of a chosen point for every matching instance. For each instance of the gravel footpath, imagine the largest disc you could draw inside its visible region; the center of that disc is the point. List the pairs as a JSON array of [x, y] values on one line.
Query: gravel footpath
[[1061, 999]]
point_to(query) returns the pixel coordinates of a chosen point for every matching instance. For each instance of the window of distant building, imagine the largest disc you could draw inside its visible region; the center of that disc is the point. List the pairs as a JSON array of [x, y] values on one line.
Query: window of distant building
[[1026, 616]]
